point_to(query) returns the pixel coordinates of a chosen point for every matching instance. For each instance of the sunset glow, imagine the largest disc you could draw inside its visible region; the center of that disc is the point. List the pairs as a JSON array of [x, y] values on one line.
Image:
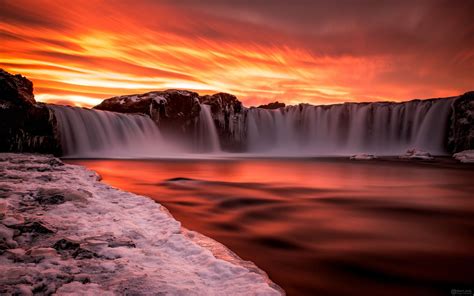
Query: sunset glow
[[80, 52]]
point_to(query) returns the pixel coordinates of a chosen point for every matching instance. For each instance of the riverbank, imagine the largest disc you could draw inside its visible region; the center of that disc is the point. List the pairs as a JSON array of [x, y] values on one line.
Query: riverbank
[[63, 231]]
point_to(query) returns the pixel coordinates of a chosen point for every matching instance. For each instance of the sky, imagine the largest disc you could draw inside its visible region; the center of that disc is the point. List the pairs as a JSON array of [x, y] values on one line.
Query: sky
[[320, 52]]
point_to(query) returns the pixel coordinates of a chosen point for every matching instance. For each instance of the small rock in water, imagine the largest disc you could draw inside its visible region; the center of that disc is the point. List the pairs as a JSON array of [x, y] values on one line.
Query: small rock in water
[[416, 154], [363, 157], [466, 156]]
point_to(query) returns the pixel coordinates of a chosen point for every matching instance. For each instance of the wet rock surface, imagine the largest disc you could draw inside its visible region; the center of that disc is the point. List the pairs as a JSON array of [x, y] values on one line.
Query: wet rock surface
[[77, 234]]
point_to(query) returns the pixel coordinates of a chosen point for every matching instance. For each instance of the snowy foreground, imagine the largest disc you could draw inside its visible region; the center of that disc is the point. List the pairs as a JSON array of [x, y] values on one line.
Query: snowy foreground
[[62, 231]]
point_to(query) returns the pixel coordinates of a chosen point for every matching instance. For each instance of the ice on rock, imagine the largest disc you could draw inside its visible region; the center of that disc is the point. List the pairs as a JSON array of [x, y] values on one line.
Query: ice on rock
[[77, 236], [363, 157], [466, 156], [417, 154], [160, 100]]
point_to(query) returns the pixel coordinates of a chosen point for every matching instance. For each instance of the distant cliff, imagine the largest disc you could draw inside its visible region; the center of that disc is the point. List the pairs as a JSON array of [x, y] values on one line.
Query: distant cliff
[[380, 124], [177, 111], [28, 126]]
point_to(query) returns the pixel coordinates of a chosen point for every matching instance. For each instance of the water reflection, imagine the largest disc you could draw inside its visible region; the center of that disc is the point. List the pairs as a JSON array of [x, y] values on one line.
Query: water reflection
[[324, 226]]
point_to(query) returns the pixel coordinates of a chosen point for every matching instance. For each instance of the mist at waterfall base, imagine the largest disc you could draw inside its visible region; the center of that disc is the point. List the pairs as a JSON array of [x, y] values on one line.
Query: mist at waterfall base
[[294, 131], [323, 226]]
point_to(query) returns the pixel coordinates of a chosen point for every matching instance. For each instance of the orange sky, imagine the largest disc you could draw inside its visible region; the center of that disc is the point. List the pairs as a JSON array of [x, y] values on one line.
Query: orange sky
[[80, 52]]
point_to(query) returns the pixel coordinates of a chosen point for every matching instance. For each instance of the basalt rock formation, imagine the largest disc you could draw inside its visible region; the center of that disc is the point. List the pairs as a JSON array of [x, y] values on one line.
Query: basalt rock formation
[[172, 110], [25, 126], [461, 132], [273, 105], [177, 111], [227, 112]]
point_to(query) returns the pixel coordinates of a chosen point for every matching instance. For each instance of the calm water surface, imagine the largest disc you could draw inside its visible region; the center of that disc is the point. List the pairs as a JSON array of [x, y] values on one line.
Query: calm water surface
[[323, 226]]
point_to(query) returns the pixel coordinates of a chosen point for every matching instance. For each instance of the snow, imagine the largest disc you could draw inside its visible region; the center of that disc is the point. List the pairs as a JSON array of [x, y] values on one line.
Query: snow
[[63, 231], [183, 93], [160, 100], [416, 154], [466, 156], [133, 98], [4, 105], [363, 157]]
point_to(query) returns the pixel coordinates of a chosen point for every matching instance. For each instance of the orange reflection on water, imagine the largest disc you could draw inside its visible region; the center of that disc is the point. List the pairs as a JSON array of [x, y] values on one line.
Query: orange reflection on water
[[386, 226]]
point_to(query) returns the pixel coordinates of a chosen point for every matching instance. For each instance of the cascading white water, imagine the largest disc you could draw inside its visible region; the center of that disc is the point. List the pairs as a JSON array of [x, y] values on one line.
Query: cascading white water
[[207, 138], [303, 130], [380, 128], [95, 133]]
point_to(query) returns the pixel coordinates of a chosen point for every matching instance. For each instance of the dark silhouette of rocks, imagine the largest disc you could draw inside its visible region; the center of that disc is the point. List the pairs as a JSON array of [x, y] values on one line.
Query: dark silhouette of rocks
[[461, 132], [25, 125], [273, 105]]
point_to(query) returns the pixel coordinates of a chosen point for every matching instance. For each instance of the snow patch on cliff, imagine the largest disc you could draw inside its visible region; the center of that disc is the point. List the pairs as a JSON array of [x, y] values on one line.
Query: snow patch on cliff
[[466, 156], [363, 157]]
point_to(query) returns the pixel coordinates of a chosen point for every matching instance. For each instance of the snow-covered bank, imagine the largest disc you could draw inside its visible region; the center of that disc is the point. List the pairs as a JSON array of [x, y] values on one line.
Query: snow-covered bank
[[62, 231]]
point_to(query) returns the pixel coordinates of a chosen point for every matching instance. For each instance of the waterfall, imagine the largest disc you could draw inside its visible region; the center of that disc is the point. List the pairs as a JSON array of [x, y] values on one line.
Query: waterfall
[[379, 128], [95, 133], [304, 130], [207, 139]]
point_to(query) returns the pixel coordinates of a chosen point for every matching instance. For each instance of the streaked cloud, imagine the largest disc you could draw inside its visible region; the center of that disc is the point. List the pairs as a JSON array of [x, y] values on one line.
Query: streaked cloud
[[299, 51]]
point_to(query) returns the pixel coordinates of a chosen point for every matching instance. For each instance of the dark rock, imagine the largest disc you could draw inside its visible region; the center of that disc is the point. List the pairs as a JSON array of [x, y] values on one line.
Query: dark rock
[[461, 132], [227, 112], [177, 112], [6, 238], [66, 244], [83, 278], [25, 125], [34, 228], [5, 192], [121, 243], [15, 89], [82, 253], [273, 105], [52, 198], [178, 179], [172, 110]]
